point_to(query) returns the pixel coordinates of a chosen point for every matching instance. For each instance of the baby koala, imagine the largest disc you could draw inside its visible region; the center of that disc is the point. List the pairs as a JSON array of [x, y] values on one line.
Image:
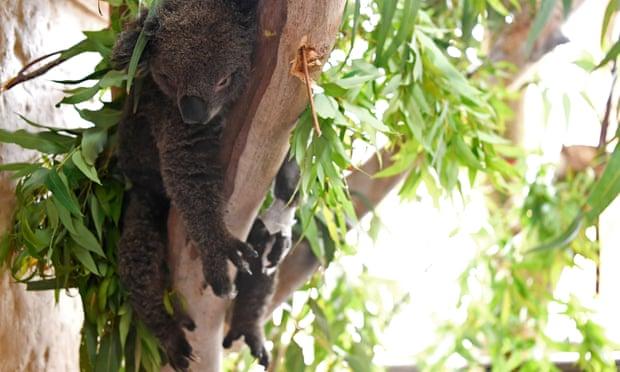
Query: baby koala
[[271, 237]]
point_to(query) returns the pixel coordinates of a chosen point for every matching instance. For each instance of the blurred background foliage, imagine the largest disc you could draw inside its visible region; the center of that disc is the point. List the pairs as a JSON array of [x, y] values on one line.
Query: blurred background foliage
[[429, 82]]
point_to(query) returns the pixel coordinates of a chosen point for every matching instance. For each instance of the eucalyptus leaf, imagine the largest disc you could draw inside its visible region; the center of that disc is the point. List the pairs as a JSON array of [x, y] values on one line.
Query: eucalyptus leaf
[[606, 189], [60, 190]]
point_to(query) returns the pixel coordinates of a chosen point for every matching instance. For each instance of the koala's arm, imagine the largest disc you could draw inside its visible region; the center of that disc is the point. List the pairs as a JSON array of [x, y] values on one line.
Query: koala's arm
[[193, 179]]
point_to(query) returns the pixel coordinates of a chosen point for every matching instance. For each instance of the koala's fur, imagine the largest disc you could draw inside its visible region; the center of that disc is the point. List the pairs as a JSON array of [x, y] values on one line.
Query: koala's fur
[[197, 62], [271, 236]]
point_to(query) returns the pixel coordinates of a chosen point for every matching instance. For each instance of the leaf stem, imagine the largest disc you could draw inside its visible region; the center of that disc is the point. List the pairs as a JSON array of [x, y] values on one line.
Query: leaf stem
[[315, 119], [23, 76]]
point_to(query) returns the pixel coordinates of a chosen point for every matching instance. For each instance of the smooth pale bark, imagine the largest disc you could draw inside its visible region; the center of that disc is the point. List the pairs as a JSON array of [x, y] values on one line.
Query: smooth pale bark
[[255, 143], [36, 333]]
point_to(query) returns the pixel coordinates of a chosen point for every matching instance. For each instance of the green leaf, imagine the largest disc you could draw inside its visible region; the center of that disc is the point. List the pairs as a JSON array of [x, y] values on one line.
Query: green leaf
[[326, 107], [294, 359], [88, 349], [354, 29], [124, 323], [46, 142], [102, 294], [606, 189], [86, 239], [612, 7], [113, 79], [93, 143], [468, 19], [52, 213], [85, 258], [542, 17], [109, 356], [43, 285], [97, 214], [499, 7], [611, 55], [387, 11], [14, 167], [565, 238], [79, 95], [58, 186], [410, 12], [101, 41], [168, 303], [366, 117], [5, 245], [50, 128], [93, 76], [358, 80], [86, 169], [64, 215], [104, 118], [139, 48], [465, 154]]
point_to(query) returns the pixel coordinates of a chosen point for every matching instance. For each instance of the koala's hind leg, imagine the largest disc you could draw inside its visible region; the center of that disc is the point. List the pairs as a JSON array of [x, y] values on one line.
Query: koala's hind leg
[[142, 268]]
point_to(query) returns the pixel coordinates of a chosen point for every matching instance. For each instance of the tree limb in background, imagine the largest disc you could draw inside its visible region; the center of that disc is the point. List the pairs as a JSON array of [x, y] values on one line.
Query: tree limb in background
[[301, 263]]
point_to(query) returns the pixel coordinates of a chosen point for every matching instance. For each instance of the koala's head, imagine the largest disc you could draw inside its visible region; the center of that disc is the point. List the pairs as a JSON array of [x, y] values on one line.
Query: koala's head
[[199, 52]]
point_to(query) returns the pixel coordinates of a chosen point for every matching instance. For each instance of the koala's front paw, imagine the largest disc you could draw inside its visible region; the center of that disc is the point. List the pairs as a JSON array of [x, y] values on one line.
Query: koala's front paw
[[177, 348], [215, 266], [254, 338]]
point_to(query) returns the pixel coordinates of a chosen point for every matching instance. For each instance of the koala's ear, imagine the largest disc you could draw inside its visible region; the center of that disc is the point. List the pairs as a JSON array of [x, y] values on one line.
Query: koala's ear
[[126, 42], [246, 6]]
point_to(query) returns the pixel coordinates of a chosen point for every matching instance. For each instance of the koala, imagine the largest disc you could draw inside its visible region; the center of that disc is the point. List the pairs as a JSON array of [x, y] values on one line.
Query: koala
[[195, 65], [271, 237]]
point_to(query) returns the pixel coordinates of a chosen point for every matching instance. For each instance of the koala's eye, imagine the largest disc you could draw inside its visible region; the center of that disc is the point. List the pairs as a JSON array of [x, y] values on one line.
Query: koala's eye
[[223, 83]]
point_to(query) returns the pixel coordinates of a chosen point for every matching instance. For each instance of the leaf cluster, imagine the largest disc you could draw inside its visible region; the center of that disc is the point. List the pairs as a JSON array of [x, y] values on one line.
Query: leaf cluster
[[69, 203]]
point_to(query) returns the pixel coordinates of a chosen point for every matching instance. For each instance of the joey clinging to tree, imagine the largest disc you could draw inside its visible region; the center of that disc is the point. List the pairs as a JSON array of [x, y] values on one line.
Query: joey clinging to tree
[[271, 236], [197, 62]]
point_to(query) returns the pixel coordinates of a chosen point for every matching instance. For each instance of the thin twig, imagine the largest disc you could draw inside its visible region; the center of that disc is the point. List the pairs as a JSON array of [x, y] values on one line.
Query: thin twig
[[23, 75], [315, 118], [602, 141]]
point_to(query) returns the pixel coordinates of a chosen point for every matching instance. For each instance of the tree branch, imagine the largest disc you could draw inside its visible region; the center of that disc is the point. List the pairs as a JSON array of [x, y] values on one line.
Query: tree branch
[[367, 193]]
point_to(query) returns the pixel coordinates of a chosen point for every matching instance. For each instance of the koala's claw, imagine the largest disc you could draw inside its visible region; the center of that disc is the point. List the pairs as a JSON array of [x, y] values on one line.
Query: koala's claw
[[254, 339], [185, 320], [214, 265], [178, 350]]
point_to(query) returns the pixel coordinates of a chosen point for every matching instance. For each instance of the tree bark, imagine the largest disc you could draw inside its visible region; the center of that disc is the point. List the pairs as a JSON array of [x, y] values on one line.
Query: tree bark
[[254, 145], [36, 333]]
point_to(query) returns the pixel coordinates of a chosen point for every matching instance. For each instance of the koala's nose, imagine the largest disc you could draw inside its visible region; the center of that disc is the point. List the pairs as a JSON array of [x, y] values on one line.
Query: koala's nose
[[193, 110]]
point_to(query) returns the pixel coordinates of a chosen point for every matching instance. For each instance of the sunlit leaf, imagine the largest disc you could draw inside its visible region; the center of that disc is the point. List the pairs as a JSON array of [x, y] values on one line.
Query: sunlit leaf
[[606, 188]]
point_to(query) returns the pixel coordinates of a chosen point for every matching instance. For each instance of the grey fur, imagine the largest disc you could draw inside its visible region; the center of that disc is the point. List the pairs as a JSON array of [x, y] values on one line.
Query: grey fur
[[194, 45], [255, 291]]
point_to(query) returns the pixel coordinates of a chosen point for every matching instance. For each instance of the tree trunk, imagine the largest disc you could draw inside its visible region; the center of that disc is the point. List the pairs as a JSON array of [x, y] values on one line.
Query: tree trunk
[[36, 334], [254, 145]]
